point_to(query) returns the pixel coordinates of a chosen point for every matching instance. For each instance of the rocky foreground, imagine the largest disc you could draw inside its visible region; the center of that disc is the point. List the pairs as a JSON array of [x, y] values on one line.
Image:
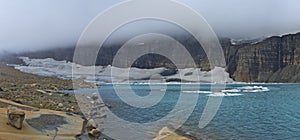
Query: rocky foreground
[[48, 113], [37, 91], [40, 124]]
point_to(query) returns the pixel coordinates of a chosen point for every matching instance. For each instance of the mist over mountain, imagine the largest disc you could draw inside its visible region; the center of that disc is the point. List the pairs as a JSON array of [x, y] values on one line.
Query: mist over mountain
[[39, 25], [274, 59], [43, 29]]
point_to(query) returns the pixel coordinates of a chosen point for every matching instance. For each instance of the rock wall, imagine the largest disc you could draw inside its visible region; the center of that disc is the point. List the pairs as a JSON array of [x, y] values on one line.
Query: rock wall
[[275, 59]]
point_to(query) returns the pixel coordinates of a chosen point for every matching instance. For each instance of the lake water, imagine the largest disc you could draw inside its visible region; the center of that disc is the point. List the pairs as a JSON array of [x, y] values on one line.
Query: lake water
[[254, 111]]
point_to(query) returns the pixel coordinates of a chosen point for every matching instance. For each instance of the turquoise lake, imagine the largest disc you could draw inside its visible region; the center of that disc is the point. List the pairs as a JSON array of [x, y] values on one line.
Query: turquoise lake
[[247, 111]]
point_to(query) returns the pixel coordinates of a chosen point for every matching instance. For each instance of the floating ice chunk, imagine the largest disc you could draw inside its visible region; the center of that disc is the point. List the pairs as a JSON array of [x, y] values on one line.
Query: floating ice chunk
[[231, 90], [221, 94], [254, 89]]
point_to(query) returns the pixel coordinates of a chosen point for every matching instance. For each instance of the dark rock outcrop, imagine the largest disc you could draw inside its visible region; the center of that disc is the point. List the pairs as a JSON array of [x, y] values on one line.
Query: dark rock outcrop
[[276, 59], [169, 72]]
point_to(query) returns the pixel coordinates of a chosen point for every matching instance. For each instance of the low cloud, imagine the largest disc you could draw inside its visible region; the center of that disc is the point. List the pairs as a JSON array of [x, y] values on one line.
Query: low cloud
[[33, 24]]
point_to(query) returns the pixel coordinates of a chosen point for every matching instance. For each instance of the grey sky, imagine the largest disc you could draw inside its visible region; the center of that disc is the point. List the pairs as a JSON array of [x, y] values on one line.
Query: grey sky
[[39, 24]]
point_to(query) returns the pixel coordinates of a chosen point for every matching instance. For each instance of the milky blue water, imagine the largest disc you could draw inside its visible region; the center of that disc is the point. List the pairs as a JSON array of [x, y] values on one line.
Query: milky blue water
[[255, 114]]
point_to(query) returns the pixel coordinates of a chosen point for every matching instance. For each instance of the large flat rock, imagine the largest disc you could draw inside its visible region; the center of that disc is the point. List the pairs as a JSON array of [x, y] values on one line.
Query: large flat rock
[[66, 130]]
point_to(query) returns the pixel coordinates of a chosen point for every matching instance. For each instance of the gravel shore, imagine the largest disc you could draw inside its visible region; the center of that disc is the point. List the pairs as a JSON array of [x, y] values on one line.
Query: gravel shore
[[36, 91]]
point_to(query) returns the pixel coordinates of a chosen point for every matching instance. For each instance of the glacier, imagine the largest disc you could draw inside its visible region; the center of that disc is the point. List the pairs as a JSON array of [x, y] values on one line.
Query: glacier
[[109, 74]]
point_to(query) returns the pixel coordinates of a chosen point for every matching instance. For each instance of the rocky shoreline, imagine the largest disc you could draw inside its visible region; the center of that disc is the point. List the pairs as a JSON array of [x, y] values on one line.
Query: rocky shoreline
[[39, 124], [37, 91], [44, 104]]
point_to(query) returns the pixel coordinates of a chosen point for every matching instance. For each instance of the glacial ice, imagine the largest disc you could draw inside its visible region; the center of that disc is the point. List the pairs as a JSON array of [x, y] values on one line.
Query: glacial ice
[[110, 74]]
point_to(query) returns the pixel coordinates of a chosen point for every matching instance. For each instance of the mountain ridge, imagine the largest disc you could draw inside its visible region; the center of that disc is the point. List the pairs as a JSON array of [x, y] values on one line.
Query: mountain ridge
[[273, 59]]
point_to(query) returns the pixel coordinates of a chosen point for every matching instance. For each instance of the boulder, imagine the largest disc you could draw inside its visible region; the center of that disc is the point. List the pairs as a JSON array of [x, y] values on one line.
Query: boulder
[[95, 97], [91, 124], [15, 117], [168, 134], [60, 105], [95, 133]]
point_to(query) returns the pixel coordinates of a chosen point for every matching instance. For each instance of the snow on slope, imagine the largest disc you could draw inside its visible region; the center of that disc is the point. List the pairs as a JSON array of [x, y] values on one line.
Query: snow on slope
[[109, 74]]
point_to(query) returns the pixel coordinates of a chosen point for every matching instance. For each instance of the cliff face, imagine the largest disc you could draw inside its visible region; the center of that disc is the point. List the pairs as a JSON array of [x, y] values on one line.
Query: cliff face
[[276, 59]]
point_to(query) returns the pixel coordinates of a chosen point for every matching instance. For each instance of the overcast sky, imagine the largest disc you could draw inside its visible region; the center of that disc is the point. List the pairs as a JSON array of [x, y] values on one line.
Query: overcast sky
[[39, 24]]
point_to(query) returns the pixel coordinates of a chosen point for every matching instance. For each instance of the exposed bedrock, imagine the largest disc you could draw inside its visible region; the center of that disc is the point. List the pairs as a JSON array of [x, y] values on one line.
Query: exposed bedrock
[[275, 59]]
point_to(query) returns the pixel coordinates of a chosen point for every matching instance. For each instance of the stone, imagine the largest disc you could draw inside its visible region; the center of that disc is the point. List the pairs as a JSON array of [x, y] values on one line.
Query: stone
[[168, 134], [91, 124], [19, 100], [94, 97], [60, 105], [95, 133], [83, 129], [15, 117]]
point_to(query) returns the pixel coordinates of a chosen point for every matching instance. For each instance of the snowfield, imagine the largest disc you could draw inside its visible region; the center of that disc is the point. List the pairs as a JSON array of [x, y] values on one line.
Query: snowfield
[[110, 74]]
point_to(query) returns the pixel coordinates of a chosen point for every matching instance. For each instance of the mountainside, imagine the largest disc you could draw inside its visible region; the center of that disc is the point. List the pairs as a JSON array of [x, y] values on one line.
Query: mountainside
[[274, 59], [107, 54]]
